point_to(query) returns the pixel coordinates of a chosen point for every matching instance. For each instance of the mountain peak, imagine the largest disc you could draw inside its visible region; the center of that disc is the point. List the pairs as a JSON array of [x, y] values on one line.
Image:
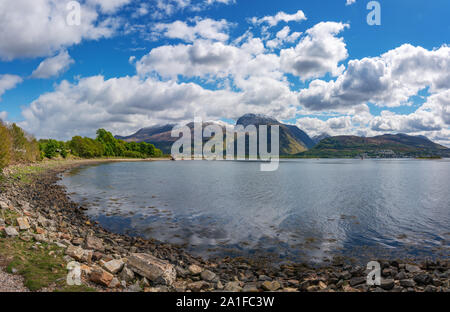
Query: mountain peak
[[255, 119]]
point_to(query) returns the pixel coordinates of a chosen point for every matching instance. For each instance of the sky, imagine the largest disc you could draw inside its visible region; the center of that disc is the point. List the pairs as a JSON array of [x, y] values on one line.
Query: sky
[[127, 64]]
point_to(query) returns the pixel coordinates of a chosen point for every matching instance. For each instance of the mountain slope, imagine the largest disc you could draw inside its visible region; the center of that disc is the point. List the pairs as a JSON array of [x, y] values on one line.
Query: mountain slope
[[292, 139]]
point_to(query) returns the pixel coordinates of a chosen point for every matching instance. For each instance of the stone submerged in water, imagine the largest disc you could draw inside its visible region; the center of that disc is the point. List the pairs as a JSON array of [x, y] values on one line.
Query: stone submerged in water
[[156, 270]]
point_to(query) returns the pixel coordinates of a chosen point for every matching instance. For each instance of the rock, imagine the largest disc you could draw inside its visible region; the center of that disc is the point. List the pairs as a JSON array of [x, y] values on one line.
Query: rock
[[75, 252], [77, 241], [264, 278], [233, 287], [387, 284], [115, 283], [135, 287], [270, 286], [114, 266], [126, 274], [407, 283], [250, 288], [154, 269], [423, 279], [357, 280], [208, 276], [94, 243], [430, 288], [101, 277], [197, 286], [2, 222], [11, 231], [346, 275], [195, 269], [412, 268]]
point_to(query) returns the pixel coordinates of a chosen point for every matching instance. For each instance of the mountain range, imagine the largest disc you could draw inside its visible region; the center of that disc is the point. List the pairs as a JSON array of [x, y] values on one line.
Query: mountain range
[[294, 142]]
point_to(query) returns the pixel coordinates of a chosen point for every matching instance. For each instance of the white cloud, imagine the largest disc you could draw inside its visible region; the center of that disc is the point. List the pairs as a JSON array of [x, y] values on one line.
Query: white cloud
[[53, 66], [125, 104], [40, 29], [350, 2], [318, 53], [165, 8], [202, 28], [108, 6], [282, 37], [388, 80], [279, 17], [8, 82], [3, 116]]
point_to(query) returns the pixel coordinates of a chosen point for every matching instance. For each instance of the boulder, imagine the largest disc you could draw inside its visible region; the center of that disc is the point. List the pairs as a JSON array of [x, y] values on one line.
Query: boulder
[[126, 274], [114, 266], [270, 286], [197, 286], [412, 268], [11, 231], [94, 243], [407, 283], [207, 275], [357, 280], [75, 252], [423, 279], [101, 277], [233, 287], [156, 270], [195, 269], [387, 284], [23, 223]]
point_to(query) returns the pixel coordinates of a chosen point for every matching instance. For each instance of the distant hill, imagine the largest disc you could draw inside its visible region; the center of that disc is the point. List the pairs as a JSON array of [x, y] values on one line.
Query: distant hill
[[387, 145], [292, 139], [316, 139]]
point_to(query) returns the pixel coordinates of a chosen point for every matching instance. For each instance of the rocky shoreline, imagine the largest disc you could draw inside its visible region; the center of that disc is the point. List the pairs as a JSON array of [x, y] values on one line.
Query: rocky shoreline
[[115, 262]]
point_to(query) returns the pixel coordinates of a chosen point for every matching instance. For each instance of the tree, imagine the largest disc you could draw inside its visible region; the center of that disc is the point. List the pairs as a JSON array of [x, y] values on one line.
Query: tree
[[5, 146]]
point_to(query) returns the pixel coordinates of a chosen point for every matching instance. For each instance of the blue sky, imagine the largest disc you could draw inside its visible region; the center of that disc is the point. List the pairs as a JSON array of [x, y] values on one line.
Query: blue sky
[[126, 65]]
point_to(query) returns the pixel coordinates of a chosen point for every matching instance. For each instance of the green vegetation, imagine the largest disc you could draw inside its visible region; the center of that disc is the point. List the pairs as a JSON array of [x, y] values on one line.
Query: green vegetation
[[16, 146], [104, 145], [41, 265]]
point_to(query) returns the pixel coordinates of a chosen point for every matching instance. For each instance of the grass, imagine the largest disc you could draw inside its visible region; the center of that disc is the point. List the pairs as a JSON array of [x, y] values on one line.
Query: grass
[[41, 266], [9, 216]]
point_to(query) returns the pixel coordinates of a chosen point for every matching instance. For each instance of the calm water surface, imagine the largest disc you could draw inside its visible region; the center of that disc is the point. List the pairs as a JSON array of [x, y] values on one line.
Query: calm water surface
[[307, 210]]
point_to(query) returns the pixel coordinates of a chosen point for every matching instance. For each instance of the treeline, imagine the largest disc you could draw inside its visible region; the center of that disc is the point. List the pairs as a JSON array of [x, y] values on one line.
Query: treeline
[[16, 146], [104, 145]]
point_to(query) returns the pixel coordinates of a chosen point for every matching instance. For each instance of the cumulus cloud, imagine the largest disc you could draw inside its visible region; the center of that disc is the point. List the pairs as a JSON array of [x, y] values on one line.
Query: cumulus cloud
[[108, 6], [40, 29], [202, 28], [165, 8], [388, 80], [53, 66], [282, 37], [125, 104], [3, 116], [8, 82], [350, 2], [318, 53], [279, 17]]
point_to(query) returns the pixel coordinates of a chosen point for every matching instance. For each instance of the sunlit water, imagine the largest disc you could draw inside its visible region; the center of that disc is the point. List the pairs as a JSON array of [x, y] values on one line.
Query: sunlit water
[[307, 210]]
